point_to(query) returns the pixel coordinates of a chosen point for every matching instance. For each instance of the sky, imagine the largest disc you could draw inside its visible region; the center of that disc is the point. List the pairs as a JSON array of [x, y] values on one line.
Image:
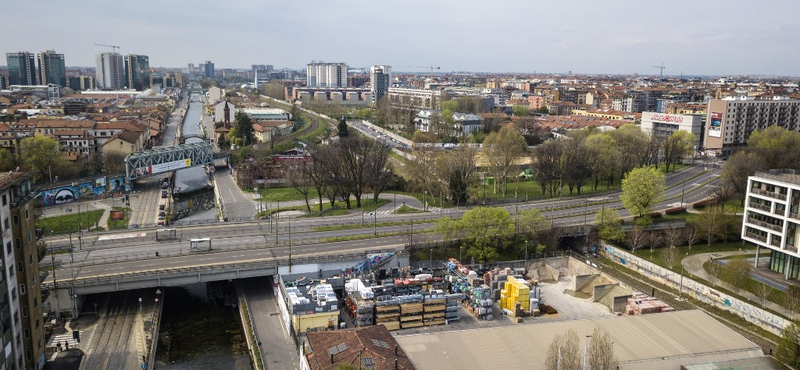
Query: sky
[[697, 37]]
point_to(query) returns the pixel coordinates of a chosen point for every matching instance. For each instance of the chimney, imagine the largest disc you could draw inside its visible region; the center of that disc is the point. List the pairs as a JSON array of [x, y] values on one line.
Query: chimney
[[395, 350], [395, 364], [331, 358]]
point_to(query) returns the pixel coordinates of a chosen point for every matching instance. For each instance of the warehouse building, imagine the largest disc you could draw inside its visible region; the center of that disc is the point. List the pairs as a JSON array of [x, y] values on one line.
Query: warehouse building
[[649, 342]]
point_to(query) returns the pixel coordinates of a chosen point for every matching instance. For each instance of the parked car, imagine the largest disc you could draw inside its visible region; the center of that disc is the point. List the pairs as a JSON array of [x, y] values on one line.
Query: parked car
[[162, 207], [163, 193]]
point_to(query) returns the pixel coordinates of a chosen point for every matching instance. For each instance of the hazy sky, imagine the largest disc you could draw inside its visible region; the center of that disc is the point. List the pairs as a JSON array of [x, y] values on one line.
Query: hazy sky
[[697, 37]]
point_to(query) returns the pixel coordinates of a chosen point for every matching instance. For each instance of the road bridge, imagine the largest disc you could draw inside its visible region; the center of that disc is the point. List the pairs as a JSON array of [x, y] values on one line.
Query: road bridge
[[154, 161]]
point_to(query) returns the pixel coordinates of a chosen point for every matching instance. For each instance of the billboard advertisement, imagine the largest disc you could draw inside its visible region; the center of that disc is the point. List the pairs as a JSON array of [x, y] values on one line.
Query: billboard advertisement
[[715, 126], [162, 167], [117, 215]]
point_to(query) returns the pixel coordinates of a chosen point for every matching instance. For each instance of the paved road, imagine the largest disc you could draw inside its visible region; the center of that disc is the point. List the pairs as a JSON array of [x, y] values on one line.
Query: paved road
[[236, 203], [253, 241], [277, 350], [113, 345]]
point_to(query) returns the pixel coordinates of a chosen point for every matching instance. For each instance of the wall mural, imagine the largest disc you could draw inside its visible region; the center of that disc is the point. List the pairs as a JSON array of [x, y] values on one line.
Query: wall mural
[[87, 189]]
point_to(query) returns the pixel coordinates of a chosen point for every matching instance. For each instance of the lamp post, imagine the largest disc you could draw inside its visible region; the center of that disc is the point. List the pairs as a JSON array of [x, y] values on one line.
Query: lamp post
[[586, 351]]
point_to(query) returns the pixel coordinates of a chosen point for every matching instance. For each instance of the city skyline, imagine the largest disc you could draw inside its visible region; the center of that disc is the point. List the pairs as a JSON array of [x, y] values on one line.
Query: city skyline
[[613, 37]]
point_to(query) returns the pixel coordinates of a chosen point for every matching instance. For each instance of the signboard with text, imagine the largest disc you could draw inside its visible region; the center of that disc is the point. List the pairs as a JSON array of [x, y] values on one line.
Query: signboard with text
[[169, 166], [715, 126], [117, 215]]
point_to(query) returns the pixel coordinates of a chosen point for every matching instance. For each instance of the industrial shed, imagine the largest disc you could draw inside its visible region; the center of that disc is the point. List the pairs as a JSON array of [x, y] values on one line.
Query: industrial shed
[[663, 341]]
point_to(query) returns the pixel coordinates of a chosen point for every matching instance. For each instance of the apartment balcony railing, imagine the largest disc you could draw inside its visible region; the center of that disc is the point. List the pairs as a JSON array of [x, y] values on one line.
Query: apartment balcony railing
[[764, 224], [770, 194], [775, 242], [757, 237], [760, 207], [794, 215]]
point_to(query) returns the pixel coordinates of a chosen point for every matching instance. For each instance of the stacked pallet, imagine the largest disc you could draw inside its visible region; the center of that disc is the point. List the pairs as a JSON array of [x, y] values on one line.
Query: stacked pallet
[[433, 310], [452, 301], [388, 315], [411, 315], [515, 297], [641, 304]]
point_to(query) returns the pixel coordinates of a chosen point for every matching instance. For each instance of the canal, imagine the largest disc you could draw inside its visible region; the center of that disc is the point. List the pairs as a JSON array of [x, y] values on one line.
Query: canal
[[201, 330]]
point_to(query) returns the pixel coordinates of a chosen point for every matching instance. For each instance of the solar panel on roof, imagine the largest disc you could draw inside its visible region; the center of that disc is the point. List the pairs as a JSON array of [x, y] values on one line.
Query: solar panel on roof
[[380, 343], [337, 349]]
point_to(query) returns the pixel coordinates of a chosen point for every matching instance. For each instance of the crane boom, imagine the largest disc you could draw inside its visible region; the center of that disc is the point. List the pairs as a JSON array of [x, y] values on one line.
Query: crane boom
[[430, 68], [113, 47], [661, 67]]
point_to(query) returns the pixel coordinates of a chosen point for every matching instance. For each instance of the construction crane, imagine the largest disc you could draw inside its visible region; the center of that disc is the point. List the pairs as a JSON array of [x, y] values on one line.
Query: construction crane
[[430, 68], [661, 67], [113, 47]]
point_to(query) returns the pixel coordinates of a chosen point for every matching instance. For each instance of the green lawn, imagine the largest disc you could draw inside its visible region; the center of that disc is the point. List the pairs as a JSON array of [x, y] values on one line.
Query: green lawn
[[683, 251], [339, 208], [122, 224], [406, 209], [69, 222]]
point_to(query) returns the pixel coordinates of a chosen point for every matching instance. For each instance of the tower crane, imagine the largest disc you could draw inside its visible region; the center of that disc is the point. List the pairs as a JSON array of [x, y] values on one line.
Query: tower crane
[[430, 68], [661, 67], [113, 47]]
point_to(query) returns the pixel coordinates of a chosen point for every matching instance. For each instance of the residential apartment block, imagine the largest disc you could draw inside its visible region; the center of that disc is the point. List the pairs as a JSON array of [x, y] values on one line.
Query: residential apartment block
[[416, 98], [772, 217], [730, 121], [110, 73], [380, 78], [326, 75]]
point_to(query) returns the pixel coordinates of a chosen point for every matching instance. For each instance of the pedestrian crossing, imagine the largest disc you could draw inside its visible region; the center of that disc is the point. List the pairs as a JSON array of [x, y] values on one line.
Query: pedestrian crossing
[[65, 338]]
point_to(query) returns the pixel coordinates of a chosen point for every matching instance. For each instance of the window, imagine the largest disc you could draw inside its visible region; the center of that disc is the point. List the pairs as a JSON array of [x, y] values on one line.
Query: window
[[20, 268], [11, 271], [37, 323], [18, 243], [5, 200], [28, 355], [13, 293], [16, 220], [22, 289], [24, 311], [27, 214], [8, 248], [6, 224]]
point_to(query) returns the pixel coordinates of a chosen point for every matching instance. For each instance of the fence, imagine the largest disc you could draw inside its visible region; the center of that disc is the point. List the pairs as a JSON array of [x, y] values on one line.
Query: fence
[[764, 319]]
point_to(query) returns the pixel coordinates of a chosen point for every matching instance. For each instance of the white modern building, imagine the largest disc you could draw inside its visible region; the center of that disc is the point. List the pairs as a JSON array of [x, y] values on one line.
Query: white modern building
[[772, 216], [380, 78], [326, 75], [661, 124], [464, 124], [266, 114], [110, 72]]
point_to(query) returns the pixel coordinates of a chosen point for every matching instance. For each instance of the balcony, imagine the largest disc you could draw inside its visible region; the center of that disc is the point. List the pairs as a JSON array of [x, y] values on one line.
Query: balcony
[[760, 238], [794, 215], [775, 242], [760, 207], [764, 224], [770, 194]]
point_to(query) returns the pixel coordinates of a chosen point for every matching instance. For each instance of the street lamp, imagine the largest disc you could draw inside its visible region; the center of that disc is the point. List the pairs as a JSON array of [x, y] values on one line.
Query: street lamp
[[586, 350]]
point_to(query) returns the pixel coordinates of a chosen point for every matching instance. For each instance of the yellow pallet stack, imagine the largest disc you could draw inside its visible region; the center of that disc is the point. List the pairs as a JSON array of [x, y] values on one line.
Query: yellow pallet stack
[[515, 297]]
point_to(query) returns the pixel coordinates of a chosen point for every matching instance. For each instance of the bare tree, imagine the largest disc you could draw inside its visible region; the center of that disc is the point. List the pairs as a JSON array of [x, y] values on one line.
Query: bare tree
[[737, 272], [564, 352], [501, 150], [113, 162], [673, 236], [379, 173], [601, 351], [714, 270], [317, 173], [692, 235], [636, 238], [423, 168], [709, 224], [763, 291], [791, 300], [299, 180], [670, 256]]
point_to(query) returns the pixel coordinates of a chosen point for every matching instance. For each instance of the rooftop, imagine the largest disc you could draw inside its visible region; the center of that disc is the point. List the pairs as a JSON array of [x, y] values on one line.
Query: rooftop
[[371, 345], [786, 175], [647, 342]]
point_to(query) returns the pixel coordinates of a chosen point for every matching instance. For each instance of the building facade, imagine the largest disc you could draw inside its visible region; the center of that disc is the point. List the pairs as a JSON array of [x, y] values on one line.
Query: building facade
[[772, 218], [52, 69], [208, 69], [21, 68], [137, 71], [730, 121], [380, 78], [16, 210], [400, 97], [81, 83], [326, 75], [664, 125], [110, 73]]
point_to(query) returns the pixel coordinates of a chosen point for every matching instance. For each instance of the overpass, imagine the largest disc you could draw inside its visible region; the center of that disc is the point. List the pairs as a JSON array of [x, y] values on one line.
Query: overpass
[[154, 161]]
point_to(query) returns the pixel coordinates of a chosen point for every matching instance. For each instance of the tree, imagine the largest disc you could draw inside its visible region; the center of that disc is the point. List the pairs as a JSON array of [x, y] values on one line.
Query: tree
[[223, 143], [670, 256], [763, 291], [778, 147], [791, 300], [633, 145], [636, 238], [447, 228], [677, 146], [738, 168], [458, 167], [788, 350], [501, 150], [342, 128], [737, 272], [318, 172], [113, 162], [244, 128], [713, 271], [423, 169], [673, 236], [299, 180], [642, 188], [7, 162], [564, 352], [379, 172], [577, 168], [603, 157], [601, 351], [295, 113], [547, 166], [485, 228], [520, 111], [531, 223], [691, 234], [41, 154], [609, 227], [709, 224]]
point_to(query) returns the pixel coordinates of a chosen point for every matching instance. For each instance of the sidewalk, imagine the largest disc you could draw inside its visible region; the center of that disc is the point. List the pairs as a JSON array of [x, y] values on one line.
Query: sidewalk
[[694, 266]]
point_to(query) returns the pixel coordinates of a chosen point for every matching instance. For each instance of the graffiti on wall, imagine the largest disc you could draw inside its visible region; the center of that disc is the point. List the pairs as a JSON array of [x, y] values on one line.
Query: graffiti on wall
[[87, 189], [699, 291]]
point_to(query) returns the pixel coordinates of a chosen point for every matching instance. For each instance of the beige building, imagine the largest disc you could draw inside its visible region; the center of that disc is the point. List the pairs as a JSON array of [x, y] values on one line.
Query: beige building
[[125, 142], [731, 121]]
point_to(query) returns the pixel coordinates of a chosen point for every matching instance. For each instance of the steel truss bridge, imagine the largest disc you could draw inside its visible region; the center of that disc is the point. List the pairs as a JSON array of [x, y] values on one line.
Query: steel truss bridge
[[137, 164]]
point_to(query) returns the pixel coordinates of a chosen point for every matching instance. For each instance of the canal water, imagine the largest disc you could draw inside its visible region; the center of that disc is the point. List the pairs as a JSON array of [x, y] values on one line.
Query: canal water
[[193, 203], [201, 330]]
